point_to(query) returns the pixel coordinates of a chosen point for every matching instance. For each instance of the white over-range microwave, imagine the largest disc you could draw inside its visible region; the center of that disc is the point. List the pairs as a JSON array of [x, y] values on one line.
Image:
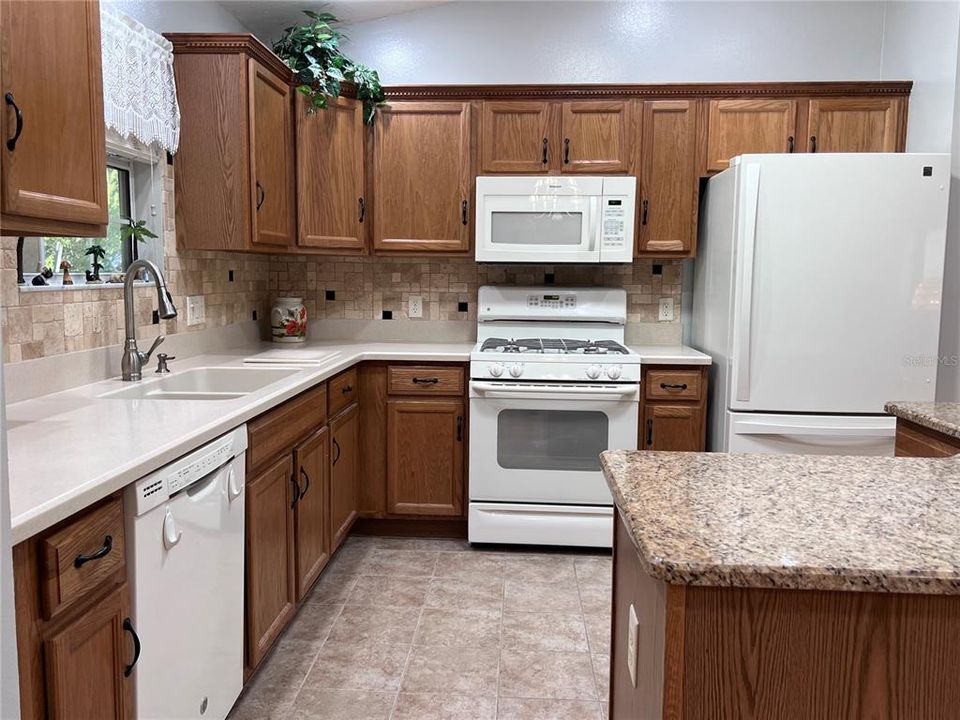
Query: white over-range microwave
[[555, 219]]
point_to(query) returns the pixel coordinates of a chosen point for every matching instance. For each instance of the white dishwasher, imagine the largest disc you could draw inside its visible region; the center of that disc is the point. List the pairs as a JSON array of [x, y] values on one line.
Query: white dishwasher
[[185, 531]]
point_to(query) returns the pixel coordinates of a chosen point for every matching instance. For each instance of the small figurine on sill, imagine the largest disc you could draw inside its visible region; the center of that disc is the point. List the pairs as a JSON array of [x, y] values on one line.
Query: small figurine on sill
[[98, 254], [65, 266], [42, 276], [115, 278]]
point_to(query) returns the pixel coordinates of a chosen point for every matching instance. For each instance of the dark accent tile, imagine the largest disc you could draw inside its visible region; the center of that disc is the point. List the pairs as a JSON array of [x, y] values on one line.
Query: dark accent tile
[[254, 314], [330, 295], [230, 275], [658, 269], [549, 278], [156, 317], [462, 306], [388, 314]]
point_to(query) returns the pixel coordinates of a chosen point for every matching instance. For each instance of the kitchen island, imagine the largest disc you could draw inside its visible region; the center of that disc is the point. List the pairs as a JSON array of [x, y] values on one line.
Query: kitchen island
[[784, 586]]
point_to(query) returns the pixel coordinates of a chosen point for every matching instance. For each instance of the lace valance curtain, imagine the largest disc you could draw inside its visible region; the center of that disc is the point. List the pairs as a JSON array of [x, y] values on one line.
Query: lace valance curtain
[[139, 93]]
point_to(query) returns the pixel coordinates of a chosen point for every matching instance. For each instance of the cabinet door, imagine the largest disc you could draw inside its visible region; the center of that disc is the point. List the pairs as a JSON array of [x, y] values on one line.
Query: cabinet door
[[735, 127], [425, 457], [515, 137], [270, 148], [50, 61], [672, 427], [331, 208], [594, 137], [271, 592], [669, 184], [312, 509], [422, 177], [855, 125], [344, 465], [85, 663]]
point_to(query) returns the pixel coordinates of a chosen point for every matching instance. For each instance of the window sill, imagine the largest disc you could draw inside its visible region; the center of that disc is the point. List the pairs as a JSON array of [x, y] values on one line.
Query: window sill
[[79, 286]]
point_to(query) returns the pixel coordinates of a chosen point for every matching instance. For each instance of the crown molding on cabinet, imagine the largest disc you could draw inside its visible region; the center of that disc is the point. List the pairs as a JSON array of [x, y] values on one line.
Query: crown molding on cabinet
[[224, 43]]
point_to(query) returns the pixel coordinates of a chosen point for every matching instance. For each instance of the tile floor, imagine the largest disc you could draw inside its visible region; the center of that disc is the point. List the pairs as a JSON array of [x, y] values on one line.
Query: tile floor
[[425, 629]]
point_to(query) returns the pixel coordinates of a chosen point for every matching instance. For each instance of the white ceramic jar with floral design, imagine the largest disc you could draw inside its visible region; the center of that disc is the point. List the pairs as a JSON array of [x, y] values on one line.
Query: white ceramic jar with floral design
[[288, 320]]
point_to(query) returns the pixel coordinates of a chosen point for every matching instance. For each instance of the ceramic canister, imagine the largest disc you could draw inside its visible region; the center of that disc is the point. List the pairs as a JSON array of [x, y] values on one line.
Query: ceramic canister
[[288, 320]]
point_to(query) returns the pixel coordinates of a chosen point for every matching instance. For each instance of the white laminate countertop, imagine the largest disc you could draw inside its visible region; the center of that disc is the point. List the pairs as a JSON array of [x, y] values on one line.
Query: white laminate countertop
[[70, 449]]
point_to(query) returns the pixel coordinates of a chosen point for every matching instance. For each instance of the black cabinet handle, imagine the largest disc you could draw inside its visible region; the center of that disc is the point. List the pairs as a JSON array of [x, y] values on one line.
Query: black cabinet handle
[[12, 142], [347, 389], [128, 626], [790, 144], [336, 446], [463, 212], [645, 212], [813, 143], [102, 552], [261, 194], [459, 428], [307, 486], [363, 208], [673, 386], [296, 491], [545, 143], [425, 381], [566, 151], [650, 432]]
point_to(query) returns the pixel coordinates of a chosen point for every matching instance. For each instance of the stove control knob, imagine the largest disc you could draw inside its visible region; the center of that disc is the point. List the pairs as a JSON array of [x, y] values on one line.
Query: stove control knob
[[593, 372], [496, 370], [516, 370], [614, 372]]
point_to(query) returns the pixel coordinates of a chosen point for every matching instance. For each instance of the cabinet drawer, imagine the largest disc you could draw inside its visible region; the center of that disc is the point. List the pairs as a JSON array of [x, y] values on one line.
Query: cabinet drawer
[[277, 431], [425, 380], [673, 384], [82, 556], [342, 391]]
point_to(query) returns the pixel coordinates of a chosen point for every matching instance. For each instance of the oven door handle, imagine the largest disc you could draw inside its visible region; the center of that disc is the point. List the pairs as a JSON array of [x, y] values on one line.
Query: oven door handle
[[553, 392]]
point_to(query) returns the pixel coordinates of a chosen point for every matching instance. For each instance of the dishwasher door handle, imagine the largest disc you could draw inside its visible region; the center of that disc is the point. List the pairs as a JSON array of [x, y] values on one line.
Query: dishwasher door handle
[[171, 535], [233, 489]]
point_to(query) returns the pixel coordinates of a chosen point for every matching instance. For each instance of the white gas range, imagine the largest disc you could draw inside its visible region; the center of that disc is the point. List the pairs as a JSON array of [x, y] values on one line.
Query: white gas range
[[552, 386]]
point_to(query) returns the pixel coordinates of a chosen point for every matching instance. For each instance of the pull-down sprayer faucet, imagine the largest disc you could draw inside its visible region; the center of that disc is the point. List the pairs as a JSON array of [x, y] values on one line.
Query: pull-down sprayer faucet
[[131, 365]]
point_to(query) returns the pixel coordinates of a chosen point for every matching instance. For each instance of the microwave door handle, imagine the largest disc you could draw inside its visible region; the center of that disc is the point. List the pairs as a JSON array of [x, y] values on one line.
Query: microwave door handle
[[594, 225]]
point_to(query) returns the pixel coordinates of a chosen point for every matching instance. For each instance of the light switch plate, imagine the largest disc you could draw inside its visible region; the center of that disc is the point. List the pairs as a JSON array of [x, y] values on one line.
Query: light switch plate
[[415, 306], [666, 310], [633, 640], [196, 310]]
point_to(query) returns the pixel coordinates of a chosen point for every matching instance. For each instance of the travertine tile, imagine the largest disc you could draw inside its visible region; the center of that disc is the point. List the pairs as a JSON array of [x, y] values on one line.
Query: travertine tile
[[468, 565], [320, 704], [399, 562], [601, 672], [461, 628], [596, 599], [563, 676], [451, 671], [539, 709], [539, 568], [594, 570], [313, 623], [464, 593], [358, 667], [420, 706], [598, 632], [555, 632], [368, 623], [276, 684], [389, 591], [332, 589], [525, 596]]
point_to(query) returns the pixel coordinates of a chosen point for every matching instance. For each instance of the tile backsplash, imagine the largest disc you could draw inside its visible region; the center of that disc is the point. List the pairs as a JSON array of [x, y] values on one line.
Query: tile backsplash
[[234, 285]]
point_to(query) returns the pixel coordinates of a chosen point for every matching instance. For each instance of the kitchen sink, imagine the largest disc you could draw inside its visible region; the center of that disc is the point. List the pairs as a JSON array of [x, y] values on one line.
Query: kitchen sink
[[208, 383]]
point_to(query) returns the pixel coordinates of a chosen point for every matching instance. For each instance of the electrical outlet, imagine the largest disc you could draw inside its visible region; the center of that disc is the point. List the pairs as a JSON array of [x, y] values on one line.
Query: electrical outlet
[[666, 310], [415, 306], [633, 641], [196, 310]]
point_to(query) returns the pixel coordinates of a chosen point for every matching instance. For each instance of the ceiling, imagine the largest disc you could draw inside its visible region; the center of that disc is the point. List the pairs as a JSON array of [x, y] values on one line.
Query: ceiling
[[267, 18]]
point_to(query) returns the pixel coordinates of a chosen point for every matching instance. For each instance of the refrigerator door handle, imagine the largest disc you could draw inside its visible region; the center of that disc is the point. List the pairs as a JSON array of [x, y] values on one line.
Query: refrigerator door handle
[[750, 200], [759, 427]]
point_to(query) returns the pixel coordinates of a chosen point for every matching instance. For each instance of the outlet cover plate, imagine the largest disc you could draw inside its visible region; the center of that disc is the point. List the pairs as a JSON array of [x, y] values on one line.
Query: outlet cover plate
[[196, 310], [633, 640], [666, 310], [415, 306]]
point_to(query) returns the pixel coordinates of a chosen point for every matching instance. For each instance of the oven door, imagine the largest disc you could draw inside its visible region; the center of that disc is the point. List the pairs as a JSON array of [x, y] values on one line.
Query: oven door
[[540, 443], [538, 228]]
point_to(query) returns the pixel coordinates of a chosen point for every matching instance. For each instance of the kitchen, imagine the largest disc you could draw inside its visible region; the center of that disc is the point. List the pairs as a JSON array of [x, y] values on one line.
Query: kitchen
[[520, 261]]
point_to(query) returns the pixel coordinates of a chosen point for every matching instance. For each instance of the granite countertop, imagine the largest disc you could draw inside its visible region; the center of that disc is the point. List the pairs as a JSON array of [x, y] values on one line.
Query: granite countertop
[[942, 417], [872, 524]]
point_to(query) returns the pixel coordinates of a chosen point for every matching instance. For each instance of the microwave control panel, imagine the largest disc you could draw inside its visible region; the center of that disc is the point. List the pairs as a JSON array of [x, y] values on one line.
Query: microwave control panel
[[614, 223]]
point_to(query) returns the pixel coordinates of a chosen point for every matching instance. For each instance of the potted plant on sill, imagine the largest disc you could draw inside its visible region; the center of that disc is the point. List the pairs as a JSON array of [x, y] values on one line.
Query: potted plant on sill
[[98, 253], [138, 231], [312, 50]]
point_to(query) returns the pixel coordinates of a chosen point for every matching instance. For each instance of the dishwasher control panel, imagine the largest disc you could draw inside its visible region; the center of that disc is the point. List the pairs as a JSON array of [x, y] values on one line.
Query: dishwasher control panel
[[159, 486]]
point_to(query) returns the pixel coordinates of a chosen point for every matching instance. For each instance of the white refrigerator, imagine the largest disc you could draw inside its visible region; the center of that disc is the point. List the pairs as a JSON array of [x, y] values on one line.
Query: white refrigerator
[[817, 289]]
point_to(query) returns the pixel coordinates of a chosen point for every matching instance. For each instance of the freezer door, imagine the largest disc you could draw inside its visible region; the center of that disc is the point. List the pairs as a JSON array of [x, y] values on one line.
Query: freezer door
[[839, 271], [812, 434]]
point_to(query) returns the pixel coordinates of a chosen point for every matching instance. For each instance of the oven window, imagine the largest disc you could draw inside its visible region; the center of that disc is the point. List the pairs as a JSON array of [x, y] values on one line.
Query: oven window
[[536, 228], [551, 439]]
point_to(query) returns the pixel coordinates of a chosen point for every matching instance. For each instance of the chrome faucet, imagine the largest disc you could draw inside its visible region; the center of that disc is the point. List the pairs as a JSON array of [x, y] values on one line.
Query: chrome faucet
[[131, 365]]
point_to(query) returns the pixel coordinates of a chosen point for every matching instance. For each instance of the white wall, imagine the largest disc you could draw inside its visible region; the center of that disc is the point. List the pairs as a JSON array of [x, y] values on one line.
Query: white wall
[[558, 42], [180, 15]]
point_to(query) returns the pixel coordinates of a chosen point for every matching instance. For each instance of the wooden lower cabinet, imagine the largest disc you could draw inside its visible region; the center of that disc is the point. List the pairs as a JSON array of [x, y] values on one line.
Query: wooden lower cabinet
[[311, 508], [672, 426], [917, 441], [270, 574], [673, 408], [425, 452], [344, 467]]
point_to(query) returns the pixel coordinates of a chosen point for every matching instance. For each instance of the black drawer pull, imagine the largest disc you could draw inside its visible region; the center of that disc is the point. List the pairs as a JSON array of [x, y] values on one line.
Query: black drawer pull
[[261, 194], [336, 446], [566, 151], [464, 215], [645, 212], [459, 428], [673, 386], [425, 381], [307, 486], [545, 143], [363, 209], [813, 143], [296, 491], [12, 142], [650, 432], [128, 626], [107, 546], [347, 389], [790, 144]]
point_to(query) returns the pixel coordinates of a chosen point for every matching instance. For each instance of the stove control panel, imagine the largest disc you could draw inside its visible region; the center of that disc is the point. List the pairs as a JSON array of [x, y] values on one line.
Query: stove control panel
[[552, 300], [516, 370], [614, 372], [495, 369]]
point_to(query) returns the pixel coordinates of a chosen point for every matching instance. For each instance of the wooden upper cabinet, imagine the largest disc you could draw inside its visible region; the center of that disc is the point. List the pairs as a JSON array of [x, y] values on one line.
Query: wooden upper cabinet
[[236, 144], [669, 182], [856, 124], [736, 127], [270, 157], [53, 155], [422, 177], [594, 137], [331, 207], [516, 137], [311, 505]]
